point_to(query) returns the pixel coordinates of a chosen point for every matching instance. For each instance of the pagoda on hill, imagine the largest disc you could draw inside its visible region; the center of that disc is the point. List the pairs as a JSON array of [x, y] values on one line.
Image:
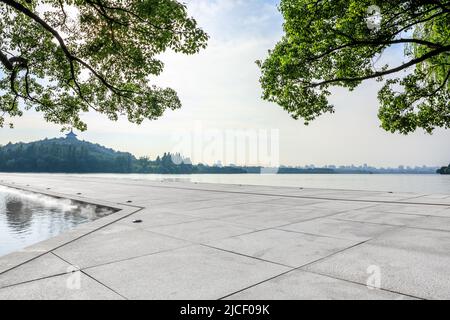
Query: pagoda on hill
[[71, 135]]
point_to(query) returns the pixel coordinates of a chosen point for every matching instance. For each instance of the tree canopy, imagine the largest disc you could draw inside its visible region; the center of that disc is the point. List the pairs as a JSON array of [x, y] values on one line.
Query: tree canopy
[[75, 156], [65, 57], [444, 170], [337, 42]]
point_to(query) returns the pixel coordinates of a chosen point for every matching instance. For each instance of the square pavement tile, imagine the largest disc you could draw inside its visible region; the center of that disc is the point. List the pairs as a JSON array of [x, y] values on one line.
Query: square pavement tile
[[432, 223], [393, 219], [210, 202], [192, 273], [155, 218], [234, 210], [300, 285], [276, 218], [347, 194], [433, 199], [416, 273], [202, 231], [385, 197], [422, 210], [181, 207], [430, 241], [41, 267], [63, 287], [339, 229], [340, 206], [292, 201], [15, 258], [288, 248], [115, 242]]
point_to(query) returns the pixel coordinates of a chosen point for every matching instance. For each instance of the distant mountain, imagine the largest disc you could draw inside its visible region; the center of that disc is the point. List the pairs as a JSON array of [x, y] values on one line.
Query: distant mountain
[[68, 155]]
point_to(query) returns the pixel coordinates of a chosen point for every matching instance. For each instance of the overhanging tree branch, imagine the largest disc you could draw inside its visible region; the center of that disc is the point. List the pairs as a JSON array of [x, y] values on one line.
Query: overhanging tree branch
[[330, 43], [5, 61], [101, 58], [70, 57], [356, 43], [410, 63]]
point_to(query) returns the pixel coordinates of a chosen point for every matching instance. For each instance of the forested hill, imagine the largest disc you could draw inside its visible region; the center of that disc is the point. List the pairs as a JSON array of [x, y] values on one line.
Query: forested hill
[[70, 155], [63, 155], [444, 170]]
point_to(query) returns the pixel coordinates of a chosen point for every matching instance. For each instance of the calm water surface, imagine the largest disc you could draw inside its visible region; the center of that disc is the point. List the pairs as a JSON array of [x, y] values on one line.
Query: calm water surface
[[27, 218], [429, 183]]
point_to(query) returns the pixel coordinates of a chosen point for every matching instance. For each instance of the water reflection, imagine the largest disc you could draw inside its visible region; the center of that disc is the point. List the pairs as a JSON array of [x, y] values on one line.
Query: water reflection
[[18, 222], [27, 218]]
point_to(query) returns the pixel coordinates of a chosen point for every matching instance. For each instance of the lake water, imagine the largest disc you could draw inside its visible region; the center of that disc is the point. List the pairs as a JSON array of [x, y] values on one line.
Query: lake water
[[27, 218], [421, 183]]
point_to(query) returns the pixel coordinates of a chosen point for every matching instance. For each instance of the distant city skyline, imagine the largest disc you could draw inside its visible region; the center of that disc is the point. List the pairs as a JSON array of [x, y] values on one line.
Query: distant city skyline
[[219, 89]]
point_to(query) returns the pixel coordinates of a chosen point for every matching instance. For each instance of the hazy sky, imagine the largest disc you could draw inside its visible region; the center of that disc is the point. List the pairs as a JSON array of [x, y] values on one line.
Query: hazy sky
[[220, 92]]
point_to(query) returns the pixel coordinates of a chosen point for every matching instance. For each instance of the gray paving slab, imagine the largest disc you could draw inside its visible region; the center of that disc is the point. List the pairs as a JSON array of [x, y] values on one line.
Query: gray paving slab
[[15, 258], [340, 206], [156, 218], [303, 192], [394, 219], [276, 217], [433, 223], [240, 209], [189, 273], [300, 285], [423, 210], [417, 273], [339, 229], [202, 231], [350, 194], [63, 287], [430, 241], [432, 199], [386, 197], [113, 243], [41, 267], [205, 204], [288, 248], [290, 202], [251, 234]]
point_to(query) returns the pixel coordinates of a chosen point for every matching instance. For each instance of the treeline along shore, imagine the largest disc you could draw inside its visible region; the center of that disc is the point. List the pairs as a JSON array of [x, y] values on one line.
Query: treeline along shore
[[70, 155], [64, 155], [444, 170]]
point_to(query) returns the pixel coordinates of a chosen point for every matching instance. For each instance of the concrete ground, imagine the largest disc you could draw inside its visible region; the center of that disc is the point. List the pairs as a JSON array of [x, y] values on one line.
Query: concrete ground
[[210, 241]]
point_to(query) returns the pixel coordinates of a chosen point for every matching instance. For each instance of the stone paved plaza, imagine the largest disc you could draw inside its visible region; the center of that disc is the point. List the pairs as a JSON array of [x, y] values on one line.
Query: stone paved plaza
[[211, 241]]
